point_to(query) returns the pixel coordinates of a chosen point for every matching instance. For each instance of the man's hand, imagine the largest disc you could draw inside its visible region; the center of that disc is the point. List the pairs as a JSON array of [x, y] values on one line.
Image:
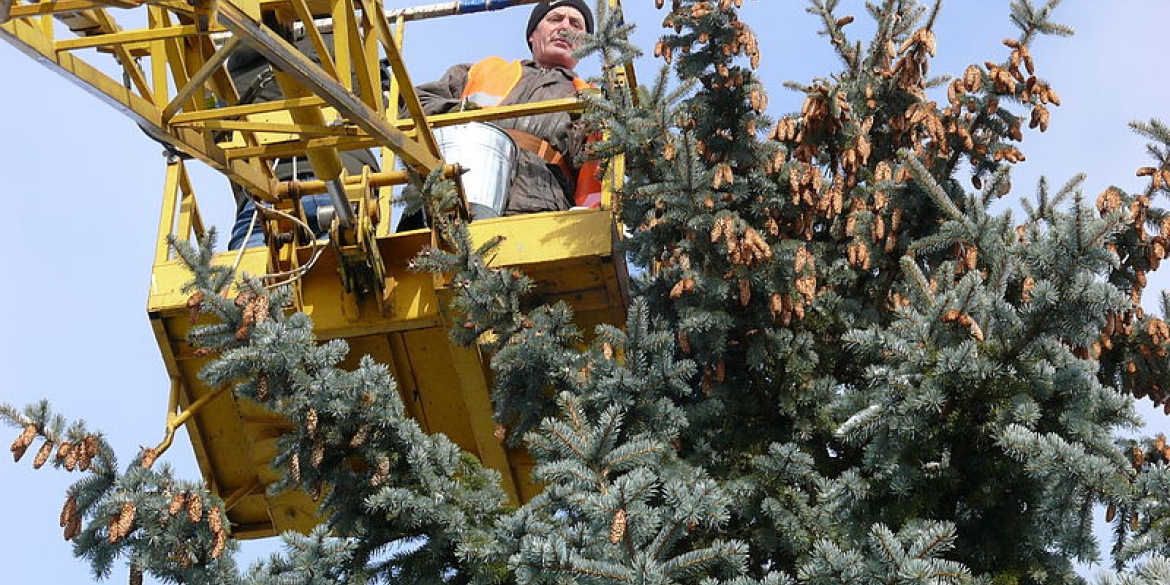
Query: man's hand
[[466, 106]]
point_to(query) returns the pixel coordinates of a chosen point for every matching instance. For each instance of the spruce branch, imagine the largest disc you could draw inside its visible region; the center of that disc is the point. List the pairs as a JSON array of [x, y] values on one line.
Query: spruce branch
[[110, 514], [611, 39], [932, 188], [1151, 572], [834, 29], [310, 559], [921, 284], [1046, 453], [1033, 21], [411, 484], [197, 257]]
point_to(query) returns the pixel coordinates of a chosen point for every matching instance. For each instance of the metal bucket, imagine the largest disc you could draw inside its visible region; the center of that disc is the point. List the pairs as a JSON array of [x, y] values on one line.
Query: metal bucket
[[488, 155]]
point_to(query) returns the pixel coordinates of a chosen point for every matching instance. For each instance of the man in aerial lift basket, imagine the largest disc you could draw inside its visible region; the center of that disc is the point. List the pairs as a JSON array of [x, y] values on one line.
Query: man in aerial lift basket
[[546, 176]]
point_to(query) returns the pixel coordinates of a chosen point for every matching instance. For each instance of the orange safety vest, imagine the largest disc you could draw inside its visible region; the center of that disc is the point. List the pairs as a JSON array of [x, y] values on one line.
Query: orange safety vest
[[490, 81]]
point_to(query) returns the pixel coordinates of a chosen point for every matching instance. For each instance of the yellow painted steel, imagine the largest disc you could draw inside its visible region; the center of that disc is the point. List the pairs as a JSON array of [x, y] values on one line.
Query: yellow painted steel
[[172, 81], [445, 387]]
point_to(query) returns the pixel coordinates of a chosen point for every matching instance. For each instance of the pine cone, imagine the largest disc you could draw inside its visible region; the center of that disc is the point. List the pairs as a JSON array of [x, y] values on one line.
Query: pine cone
[[244, 298], [745, 291], [311, 420], [775, 305], [20, 445], [318, 454], [63, 451], [71, 457], [294, 467], [194, 508], [803, 259], [970, 257], [247, 316], [218, 545], [122, 523], [617, 528], [43, 454], [129, 511], [194, 307], [260, 308], [73, 527], [215, 519], [382, 473], [758, 249], [953, 90], [135, 574], [361, 436], [178, 502], [68, 511], [89, 450], [262, 393]]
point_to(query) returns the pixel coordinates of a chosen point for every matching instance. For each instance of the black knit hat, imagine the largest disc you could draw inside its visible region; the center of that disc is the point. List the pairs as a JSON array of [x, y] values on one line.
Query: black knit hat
[[543, 8]]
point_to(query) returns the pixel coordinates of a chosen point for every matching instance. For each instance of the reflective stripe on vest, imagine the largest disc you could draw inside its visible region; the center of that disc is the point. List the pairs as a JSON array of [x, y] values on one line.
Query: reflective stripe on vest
[[588, 191], [491, 80]]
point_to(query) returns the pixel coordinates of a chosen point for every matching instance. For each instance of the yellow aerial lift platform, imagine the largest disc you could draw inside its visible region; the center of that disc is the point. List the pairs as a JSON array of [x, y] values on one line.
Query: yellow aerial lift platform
[[169, 75]]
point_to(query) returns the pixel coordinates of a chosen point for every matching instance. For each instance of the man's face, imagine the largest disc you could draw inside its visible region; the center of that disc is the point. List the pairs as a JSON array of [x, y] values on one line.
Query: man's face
[[549, 47]]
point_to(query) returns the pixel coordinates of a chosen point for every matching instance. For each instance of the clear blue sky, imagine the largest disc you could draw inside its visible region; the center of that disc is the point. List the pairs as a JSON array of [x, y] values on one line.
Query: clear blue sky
[[82, 193]]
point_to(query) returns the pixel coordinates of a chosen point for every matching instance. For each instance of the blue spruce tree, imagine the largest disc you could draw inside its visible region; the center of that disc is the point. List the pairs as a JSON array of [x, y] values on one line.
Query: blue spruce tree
[[842, 365]]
